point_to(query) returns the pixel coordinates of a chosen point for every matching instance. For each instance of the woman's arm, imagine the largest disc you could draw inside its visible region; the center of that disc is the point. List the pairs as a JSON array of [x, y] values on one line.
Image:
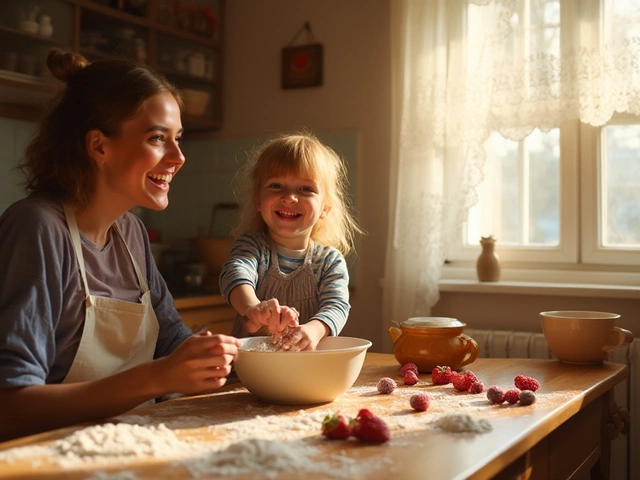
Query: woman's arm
[[200, 363]]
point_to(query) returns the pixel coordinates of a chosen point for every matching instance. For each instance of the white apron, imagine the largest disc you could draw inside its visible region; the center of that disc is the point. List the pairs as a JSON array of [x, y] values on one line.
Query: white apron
[[117, 334], [298, 289]]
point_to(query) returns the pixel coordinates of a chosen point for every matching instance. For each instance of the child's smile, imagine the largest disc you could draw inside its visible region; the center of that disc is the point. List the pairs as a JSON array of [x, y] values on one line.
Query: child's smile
[[291, 206]]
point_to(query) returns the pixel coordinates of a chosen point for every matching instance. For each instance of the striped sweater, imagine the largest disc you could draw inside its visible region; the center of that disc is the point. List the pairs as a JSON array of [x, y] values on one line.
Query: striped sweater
[[251, 258]]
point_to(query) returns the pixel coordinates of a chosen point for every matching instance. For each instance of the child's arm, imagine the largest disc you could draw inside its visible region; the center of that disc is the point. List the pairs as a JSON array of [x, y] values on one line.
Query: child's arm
[[259, 313]]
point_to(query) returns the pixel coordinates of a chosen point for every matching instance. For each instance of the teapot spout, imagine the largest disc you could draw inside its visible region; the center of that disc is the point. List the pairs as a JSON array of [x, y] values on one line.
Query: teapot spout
[[395, 333]]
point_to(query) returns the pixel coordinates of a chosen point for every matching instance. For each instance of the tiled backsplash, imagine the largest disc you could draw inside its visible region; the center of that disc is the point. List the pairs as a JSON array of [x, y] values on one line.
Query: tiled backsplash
[[205, 179], [14, 136]]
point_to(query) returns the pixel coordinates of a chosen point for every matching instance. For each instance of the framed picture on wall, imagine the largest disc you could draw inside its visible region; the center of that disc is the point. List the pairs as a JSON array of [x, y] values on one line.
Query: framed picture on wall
[[302, 66]]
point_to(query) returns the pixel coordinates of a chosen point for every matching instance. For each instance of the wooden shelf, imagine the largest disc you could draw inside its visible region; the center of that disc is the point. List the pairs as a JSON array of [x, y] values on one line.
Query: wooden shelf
[[22, 96], [19, 35]]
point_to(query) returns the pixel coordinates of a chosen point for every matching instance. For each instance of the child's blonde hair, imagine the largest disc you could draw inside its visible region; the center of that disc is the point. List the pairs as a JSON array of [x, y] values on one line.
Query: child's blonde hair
[[301, 154]]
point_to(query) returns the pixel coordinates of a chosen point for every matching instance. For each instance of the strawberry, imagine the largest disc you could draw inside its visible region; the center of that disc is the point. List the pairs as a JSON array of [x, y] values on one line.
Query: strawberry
[[408, 367], [335, 427], [410, 378], [369, 428], [526, 383], [441, 375]]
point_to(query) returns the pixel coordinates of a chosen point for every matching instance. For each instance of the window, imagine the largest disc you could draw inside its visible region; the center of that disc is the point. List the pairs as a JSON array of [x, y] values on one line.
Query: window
[[569, 195]]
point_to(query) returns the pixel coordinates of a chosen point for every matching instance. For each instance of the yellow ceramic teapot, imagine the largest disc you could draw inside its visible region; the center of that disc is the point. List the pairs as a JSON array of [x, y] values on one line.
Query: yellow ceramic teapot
[[432, 341]]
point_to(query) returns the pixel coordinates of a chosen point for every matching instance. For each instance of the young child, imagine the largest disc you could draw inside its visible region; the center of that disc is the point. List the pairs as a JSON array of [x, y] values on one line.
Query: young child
[[286, 274]]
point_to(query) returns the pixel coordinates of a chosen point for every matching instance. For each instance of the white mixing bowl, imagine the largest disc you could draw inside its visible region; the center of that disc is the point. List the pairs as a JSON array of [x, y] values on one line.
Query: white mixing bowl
[[299, 378]]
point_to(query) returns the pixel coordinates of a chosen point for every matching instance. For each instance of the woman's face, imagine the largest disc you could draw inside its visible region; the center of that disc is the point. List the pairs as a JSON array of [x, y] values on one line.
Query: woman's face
[[141, 162]]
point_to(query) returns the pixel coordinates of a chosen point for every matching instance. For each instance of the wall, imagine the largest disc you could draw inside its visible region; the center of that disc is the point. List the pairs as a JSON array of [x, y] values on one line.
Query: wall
[[521, 312]]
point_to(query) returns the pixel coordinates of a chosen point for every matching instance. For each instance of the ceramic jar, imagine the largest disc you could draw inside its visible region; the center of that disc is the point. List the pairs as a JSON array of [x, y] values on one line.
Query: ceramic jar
[[433, 341], [196, 64], [488, 264], [45, 28]]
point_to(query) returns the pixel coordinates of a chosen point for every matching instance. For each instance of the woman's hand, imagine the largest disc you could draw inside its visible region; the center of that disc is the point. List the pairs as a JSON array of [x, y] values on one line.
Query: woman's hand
[[202, 362], [270, 313]]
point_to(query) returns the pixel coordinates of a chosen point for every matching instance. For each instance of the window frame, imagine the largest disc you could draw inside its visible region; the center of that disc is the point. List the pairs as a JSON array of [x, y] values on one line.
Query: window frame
[[591, 148], [579, 248]]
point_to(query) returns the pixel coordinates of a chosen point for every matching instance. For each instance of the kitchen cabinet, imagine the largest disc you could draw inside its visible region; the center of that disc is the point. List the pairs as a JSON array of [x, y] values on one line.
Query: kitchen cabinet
[[182, 39], [207, 312]]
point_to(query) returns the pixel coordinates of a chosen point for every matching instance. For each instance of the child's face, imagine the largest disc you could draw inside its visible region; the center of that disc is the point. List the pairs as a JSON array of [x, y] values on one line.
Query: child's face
[[291, 206]]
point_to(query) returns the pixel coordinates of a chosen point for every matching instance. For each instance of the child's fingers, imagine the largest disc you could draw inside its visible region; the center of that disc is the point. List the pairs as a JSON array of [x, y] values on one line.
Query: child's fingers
[[274, 307]]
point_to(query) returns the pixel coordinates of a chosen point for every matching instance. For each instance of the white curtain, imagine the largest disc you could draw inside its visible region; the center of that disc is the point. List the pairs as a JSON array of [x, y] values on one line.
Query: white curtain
[[465, 68]]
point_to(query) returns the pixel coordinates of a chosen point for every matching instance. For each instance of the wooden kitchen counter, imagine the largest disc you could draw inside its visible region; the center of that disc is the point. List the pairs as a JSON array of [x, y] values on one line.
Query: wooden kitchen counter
[[206, 312], [563, 435]]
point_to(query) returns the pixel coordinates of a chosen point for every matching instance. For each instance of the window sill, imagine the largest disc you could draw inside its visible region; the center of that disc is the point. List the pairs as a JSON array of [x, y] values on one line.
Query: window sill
[[535, 282]]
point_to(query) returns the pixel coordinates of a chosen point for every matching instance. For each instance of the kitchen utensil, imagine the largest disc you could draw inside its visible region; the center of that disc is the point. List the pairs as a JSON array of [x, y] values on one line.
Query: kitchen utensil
[[299, 378], [433, 341]]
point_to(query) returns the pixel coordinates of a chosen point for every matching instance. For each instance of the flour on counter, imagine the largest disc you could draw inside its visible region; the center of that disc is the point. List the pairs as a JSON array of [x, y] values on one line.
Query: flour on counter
[[126, 475], [109, 443], [462, 423], [270, 459]]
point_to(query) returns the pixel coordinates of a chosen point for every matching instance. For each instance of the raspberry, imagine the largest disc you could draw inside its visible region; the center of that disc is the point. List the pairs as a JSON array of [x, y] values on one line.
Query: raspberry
[[495, 395], [471, 377], [512, 396], [526, 383], [410, 378], [462, 382], [419, 402], [527, 397], [408, 366], [459, 382], [386, 385], [476, 387]]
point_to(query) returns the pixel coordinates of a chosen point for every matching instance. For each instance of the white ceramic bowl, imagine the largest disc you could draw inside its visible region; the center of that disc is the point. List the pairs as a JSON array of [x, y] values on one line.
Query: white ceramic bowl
[[299, 378]]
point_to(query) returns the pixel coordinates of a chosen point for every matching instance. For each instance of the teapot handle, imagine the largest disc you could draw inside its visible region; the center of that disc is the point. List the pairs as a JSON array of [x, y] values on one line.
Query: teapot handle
[[472, 349]]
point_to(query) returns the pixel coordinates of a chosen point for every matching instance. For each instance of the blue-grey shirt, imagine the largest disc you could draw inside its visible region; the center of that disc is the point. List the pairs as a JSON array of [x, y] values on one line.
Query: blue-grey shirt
[[42, 296], [251, 257]]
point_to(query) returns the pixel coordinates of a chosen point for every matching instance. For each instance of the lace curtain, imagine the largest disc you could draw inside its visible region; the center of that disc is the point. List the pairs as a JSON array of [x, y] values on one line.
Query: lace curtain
[[465, 68]]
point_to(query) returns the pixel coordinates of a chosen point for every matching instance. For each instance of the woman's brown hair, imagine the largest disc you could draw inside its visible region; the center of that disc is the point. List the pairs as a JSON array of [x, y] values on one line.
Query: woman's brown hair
[[99, 95]]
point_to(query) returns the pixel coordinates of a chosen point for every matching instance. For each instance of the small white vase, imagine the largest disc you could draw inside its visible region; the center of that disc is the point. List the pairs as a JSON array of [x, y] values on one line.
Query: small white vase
[[45, 28]]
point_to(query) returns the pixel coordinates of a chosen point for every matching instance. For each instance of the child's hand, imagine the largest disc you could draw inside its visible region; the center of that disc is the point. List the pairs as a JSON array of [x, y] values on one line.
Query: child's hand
[[270, 313], [202, 362], [304, 337]]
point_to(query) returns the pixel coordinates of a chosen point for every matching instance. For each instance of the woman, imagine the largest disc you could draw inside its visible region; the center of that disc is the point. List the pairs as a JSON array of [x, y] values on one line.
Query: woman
[[88, 328]]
